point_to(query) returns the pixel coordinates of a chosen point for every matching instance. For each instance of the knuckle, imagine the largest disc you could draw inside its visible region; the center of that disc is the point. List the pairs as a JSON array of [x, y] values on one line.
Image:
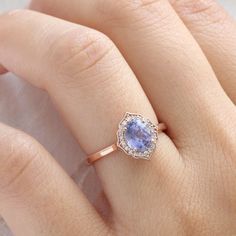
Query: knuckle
[[203, 11], [77, 52], [114, 12], [19, 163], [106, 7]]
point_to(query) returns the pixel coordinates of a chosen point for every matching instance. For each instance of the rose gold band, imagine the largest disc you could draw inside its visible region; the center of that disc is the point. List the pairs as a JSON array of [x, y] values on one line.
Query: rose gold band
[[98, 155], [108, 150]]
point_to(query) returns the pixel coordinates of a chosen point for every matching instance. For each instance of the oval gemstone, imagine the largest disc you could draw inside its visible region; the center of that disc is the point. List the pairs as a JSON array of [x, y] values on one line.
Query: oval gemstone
[[138, 135]]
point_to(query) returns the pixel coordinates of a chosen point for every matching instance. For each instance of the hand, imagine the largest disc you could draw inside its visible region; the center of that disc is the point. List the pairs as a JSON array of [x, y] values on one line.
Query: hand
[[159, 71]]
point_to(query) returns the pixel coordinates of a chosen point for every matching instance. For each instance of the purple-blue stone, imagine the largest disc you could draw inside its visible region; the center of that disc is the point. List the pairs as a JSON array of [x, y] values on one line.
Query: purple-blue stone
[[138, 135]]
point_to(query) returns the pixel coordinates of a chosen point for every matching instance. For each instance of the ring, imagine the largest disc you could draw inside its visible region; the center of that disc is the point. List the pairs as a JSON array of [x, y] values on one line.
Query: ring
[[136, 136]]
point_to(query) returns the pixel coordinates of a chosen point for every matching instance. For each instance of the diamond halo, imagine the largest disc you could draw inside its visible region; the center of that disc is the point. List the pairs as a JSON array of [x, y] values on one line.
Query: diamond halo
[[137, 136]]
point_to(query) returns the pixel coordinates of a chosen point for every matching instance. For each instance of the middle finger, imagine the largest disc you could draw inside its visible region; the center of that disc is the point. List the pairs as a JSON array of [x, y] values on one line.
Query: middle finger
[[168, 62]]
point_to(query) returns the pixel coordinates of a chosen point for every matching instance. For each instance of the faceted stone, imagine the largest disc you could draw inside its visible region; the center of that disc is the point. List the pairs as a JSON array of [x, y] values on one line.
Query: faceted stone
[[138, 135]]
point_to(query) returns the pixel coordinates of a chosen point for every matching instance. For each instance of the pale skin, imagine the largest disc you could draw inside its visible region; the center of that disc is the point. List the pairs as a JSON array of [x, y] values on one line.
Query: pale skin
[[172, 61]]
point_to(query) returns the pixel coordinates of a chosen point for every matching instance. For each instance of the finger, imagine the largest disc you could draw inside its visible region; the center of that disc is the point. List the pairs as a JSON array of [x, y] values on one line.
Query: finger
[[167, 60], [215, 31], [36, 195], [93, 87]]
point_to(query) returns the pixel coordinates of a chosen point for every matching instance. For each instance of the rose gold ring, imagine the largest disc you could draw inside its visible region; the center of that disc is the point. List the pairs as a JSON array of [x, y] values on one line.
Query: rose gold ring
[[136, 136]]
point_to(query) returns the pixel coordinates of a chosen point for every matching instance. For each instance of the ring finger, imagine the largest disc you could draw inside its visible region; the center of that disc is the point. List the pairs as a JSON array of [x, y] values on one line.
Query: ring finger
[[92, 86]]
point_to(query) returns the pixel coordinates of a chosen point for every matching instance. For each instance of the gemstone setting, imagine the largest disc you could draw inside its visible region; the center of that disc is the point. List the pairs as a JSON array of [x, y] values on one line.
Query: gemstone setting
[[137, 136]]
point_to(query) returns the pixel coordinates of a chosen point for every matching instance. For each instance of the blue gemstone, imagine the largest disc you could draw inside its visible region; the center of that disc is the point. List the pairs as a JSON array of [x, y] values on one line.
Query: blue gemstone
[[138, 135]]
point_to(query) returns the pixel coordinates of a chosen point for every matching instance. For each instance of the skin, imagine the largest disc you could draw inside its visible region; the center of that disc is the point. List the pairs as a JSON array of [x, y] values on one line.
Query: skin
[[173, 61]]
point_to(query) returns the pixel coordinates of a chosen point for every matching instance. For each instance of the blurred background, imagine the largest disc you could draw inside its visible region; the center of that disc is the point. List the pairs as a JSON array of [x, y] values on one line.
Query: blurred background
[[30, 110]]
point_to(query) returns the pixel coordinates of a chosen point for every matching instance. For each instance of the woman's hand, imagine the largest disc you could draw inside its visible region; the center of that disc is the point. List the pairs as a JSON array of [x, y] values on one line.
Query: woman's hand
[[151, 64]]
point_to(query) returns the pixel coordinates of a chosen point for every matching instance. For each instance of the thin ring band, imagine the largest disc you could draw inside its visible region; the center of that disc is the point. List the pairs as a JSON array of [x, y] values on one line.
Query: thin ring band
[[108, 150]]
